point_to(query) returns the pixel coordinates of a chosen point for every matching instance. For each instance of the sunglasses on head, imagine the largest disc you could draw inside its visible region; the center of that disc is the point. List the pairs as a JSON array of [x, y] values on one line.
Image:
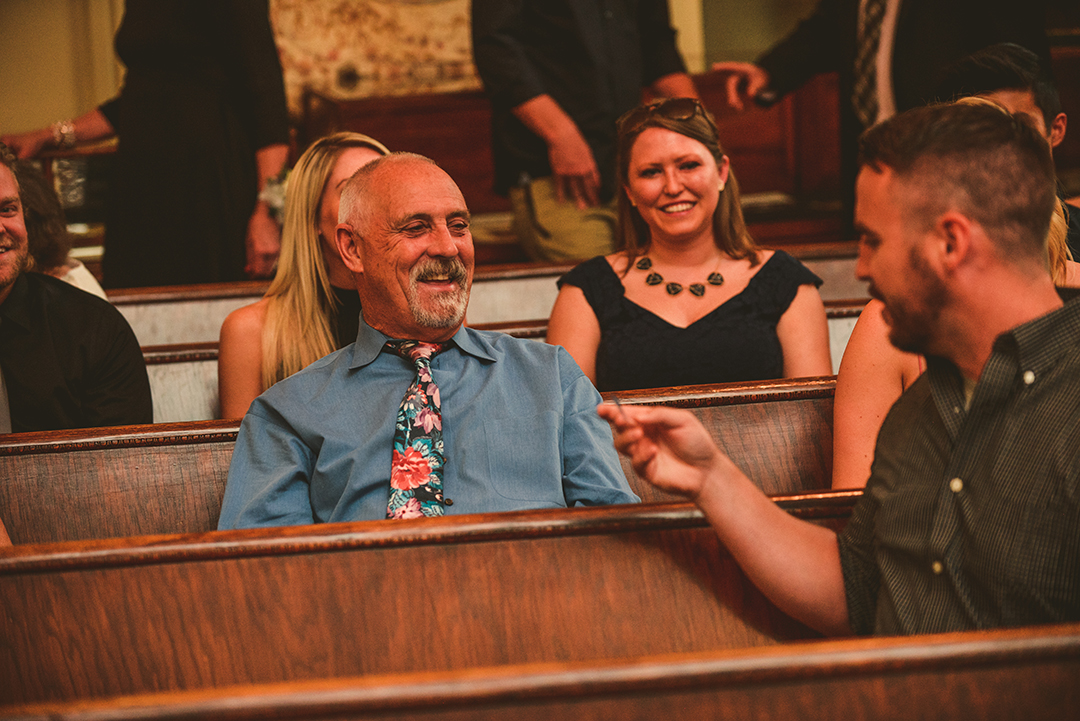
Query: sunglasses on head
[[672, 109]]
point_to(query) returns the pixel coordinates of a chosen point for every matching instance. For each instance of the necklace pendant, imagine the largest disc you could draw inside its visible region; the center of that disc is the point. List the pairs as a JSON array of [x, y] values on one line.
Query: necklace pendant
[[716, 279], [654, 279], [673, 288], [643, 263], [697, 289]]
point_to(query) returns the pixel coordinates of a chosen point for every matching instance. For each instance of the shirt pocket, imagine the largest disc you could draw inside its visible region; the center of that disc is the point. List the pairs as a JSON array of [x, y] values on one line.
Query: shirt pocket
[[524, 458]]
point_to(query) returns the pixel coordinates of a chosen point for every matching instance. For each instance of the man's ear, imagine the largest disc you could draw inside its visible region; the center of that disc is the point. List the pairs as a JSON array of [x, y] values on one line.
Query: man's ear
[[348, 245], [954, 232], [1057, 130]]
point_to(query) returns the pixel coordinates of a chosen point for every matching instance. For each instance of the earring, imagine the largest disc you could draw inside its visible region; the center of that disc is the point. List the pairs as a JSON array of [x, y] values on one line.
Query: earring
[[721, 186]]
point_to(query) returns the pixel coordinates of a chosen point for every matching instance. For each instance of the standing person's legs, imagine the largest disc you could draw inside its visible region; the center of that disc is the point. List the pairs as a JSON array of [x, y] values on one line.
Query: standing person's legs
[[555, 231]]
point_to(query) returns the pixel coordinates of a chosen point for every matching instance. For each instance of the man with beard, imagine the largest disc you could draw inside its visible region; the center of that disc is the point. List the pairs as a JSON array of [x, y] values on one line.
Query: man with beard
[[487, 422], [68, 359], [971, 517]]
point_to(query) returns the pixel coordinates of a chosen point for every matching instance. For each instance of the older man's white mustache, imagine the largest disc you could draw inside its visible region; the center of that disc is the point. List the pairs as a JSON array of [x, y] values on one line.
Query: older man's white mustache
[[454, 270]]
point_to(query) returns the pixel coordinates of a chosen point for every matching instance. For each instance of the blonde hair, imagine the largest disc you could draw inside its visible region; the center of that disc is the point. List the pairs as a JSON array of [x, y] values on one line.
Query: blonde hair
[[1057, 248], [301, 309]]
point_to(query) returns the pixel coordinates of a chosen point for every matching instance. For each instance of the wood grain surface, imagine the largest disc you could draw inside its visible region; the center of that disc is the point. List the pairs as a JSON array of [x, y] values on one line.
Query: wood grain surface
[[1007, 674], [157, 614]]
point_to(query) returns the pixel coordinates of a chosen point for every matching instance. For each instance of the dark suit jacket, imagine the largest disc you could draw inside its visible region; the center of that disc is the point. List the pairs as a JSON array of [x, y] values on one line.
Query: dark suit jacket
[[930, 35]]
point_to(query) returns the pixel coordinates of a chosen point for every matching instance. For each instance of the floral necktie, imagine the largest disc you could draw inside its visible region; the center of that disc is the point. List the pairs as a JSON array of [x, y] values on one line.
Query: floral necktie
[[416, 472]]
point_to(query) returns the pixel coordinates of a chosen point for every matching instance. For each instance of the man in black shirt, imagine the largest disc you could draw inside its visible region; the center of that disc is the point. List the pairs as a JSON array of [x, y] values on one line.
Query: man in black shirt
[[971, 517], [559, 74], [68, 359]]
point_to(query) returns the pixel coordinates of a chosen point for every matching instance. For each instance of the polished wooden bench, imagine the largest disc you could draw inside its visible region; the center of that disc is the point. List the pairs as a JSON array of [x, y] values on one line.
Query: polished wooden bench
[[184, 380], [96, 619], [500, 294], [170, 478], [1014, 673]]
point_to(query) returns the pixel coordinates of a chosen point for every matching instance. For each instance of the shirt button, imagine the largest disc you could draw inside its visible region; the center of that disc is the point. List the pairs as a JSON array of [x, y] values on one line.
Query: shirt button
[[956, 485], [937, 568], [448, 502], [1029, 377], [609, 14]]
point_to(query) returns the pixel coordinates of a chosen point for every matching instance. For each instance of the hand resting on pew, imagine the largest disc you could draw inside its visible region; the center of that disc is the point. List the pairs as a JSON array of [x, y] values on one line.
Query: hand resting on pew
[[795, 563]]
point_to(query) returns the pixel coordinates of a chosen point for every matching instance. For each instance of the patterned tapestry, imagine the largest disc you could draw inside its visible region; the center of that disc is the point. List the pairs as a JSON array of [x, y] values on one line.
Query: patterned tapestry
[[358, 48]]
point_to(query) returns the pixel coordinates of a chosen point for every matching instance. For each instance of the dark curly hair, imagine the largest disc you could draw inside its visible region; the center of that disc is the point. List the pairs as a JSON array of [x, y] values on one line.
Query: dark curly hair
[[46, 227]]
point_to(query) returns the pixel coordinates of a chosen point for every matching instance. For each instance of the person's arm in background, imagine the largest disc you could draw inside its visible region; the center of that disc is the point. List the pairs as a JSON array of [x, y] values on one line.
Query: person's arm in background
[[793, 562], [803, 331], [574, 326], [263, 233], [512, 82], [873, 374], [94, 125], [240, 359], [257, 76], [812, 48], [573, 167]]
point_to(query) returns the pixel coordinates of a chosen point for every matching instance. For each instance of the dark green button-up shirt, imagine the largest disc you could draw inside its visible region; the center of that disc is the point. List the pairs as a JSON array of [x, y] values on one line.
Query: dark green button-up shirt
[[971, 518]]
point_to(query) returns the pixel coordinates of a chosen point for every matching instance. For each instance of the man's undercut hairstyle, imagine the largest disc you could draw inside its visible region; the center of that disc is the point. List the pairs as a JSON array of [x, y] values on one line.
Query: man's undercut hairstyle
[[1004, 66], [991, 165], [351, 207]]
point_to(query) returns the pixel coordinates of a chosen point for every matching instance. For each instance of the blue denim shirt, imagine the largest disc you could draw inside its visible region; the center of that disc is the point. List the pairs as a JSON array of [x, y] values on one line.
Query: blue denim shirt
[[519, 426]]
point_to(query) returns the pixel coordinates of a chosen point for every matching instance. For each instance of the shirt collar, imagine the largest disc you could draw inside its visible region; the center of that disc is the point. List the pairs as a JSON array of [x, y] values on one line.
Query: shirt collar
[[1034, 347], [370, 342], [1040, 344]]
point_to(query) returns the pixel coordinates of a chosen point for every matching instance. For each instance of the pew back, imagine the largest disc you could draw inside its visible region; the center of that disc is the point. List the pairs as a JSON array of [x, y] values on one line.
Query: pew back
[[1014, 673], [184, 381], [170, 478], [500, 294], [778, 432], [106, 482], [154, 614]]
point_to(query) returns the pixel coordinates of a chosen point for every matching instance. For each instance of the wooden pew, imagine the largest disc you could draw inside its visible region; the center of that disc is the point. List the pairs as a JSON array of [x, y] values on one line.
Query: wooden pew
[[500, 294], [1013, 673], [122, 481], [170, 478], [184, 382], [169, 613], [778, 432], [193, 314]]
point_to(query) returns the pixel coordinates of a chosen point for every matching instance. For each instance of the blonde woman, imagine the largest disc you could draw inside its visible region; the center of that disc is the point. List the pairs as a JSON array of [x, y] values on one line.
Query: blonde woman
[[311, 308]]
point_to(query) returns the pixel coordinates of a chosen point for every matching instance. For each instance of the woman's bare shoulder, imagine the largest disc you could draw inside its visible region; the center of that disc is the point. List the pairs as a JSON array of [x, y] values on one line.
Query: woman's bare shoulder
[[619, 261], [246, 322]]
